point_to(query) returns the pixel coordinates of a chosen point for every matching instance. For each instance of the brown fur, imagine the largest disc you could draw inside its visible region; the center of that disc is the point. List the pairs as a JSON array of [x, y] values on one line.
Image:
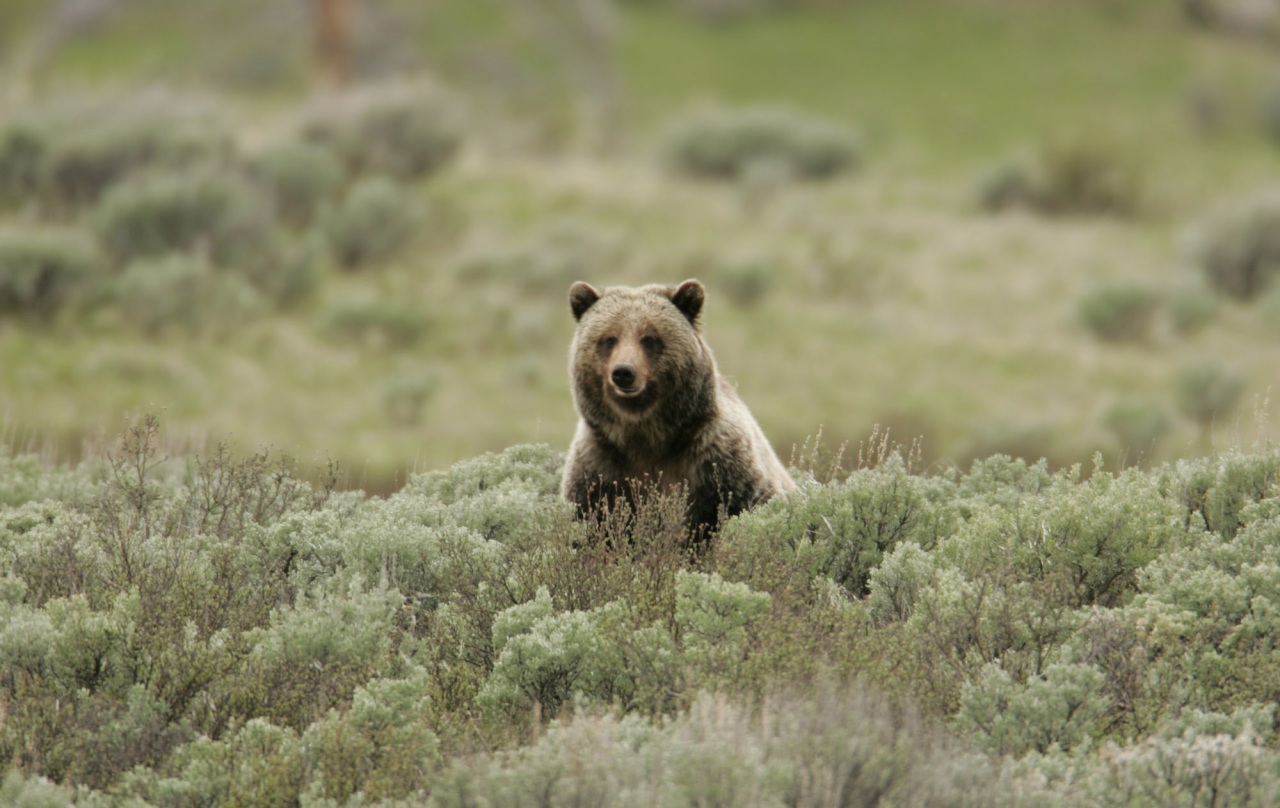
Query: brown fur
[[654, 409]]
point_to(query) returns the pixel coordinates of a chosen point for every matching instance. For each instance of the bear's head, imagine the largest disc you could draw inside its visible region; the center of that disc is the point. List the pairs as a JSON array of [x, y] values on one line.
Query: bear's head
[[638, 349]]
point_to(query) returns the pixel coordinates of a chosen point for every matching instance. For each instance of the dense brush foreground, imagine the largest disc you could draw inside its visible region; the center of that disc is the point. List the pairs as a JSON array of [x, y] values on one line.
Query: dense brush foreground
[[213, 631]]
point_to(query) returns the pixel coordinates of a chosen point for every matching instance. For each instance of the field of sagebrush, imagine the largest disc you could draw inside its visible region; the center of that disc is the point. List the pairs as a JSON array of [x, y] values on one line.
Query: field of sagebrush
[[1047, 231], [206, 630]]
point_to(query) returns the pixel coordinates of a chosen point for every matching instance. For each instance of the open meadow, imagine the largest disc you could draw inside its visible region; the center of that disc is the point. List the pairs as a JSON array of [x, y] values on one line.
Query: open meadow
[[284, 400]]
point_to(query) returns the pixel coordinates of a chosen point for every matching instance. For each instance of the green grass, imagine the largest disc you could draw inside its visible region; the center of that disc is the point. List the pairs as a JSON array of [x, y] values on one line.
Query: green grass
[[941, 83]]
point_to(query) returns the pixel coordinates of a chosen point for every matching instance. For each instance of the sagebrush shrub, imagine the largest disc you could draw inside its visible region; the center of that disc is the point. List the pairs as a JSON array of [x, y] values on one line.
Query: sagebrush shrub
[[1238, 247], [1081, 177], [544, 658], [1090, 537], [380, 748], [746, 282], [402, 131], [535, 468], [25, 478], [728, 143], [1063, 178], [65, 155], [184, 293], [372, 223], [1218, 494], [1118, 313], [894, 587], [1007, 184], [33, 792], [303, 177], [843, 530], [1015, 578], [1003, 480], [82, 165], [1056, 711], [1137, 425], [216, 214], [44, 269], [1207, 392], [22, 148], [258, 763], [315, 653], [1192, 770], [715, 618], [406, 395], [377, 323], [834, 747]]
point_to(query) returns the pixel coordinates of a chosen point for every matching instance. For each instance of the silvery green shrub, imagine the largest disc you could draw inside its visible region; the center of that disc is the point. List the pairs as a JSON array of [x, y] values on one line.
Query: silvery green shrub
[[213, 631], [51, 548], [1207, 393], [534, 467], [64, 155], [728, 143], [315, 653], [214, 213], [1137, 425], [1218, 493], [258, 764], [84, 163], [33, 792], [1060, 709], [896, 585], [1237, 246], [1003, 481], [183, 292], [381, 747], [1090, 537], [827, 747], [1192, 770], [545, 658], [372, 223], [1118, 312], [1066, 177], [400, 130], [714, 618], [23, 145], [44, 269], [842, 530], [304, 178], [377, 323]]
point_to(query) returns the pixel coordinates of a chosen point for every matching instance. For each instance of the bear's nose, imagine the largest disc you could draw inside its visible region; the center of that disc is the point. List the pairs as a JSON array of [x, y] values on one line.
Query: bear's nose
[[624, 377]]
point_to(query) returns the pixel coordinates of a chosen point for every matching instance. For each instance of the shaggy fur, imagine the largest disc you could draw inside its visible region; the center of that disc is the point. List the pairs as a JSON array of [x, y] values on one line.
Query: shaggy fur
[[654, 409]]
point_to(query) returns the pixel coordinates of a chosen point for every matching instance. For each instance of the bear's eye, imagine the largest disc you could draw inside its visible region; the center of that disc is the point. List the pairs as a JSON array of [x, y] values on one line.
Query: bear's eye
[[608, 343], [651, 344]]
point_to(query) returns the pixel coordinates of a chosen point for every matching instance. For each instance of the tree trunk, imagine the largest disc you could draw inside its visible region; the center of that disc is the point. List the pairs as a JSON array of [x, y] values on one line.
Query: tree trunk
[[333, 41]]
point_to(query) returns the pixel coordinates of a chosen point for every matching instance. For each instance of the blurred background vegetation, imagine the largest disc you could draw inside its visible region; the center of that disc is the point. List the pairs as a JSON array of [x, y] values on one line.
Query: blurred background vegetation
[[345, 229]]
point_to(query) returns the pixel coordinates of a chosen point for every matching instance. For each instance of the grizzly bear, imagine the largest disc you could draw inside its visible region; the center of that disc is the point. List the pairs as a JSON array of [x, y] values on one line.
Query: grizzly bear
[[655, 411]]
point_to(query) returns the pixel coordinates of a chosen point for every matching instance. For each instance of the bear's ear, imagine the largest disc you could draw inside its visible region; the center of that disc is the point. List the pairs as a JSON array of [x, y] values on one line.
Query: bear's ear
[[582, 296], [689, 297]]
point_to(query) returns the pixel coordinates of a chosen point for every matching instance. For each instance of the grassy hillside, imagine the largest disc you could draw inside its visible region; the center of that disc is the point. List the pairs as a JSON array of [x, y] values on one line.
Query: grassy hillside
[[206, 630], [885, 296]]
